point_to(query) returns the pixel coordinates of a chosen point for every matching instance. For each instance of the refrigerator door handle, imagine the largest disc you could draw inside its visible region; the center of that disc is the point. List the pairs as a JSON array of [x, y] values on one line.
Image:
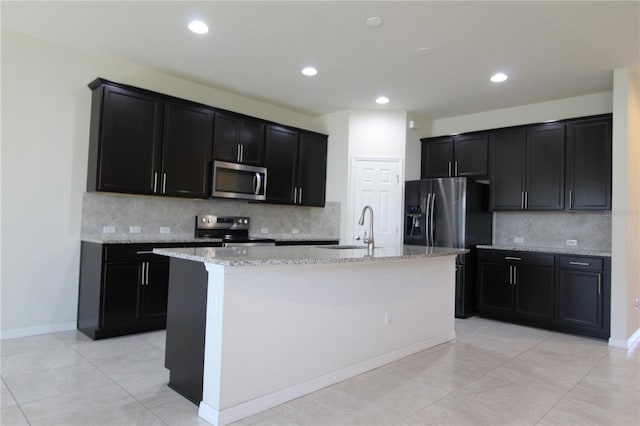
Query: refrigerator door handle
[[431, 221], [427, 229]]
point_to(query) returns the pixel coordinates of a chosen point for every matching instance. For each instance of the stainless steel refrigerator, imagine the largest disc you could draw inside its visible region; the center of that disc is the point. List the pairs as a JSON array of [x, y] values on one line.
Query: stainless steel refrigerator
[[450, 212]]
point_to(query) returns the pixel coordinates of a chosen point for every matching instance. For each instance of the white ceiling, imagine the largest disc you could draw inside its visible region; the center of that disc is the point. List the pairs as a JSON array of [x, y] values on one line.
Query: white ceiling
[[550, 50]]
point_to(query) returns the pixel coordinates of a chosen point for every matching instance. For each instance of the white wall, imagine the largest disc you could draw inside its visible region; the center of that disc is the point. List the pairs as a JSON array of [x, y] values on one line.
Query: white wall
[[579, 106], [45, 130], [413, 148], [337, 125], [625, 320]]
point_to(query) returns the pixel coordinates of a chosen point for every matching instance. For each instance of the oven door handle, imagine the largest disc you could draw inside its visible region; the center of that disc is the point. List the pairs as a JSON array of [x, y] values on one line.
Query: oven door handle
[[257, 183]]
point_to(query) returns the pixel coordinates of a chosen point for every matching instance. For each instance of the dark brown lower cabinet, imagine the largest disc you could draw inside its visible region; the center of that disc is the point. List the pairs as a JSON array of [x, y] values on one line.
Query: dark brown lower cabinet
[[559, 292], [517, 286], [583, 297], [123, 288]]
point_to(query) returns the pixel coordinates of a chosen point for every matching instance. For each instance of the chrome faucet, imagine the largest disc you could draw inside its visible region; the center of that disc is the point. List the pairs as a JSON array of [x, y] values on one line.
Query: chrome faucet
[[369, 238]]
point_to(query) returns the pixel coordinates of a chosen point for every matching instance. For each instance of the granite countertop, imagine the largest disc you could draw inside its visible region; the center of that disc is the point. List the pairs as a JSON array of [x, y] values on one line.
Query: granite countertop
[[143, 239], [558, 250], [302, 255]]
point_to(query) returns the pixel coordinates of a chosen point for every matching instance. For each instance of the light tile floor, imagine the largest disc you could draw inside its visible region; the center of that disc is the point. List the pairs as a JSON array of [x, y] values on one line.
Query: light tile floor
[[494, 374]]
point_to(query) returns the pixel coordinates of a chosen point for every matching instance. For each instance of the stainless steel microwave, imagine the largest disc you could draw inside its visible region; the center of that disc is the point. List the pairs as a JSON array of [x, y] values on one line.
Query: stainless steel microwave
[[233, 180]]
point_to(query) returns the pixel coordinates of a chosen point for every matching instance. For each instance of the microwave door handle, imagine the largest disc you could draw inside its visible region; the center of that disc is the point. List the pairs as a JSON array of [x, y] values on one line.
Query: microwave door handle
[[257, 183]]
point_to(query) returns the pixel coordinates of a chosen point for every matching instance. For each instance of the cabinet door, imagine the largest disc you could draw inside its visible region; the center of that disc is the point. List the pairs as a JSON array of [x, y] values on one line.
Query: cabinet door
[[495, 292], [545, 167], [534, 291], [281, 157], [186, 150], [589, 165], [312, 169], [130, 141], [508, 150], [252, 140], [226, 138], [238, 140], [154, 300], [437, 157], [120, 294], [471, 154], [580, 299]]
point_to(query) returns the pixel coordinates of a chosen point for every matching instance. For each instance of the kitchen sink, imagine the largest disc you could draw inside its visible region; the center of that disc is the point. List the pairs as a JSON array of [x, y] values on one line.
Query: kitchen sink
[[341, 247]]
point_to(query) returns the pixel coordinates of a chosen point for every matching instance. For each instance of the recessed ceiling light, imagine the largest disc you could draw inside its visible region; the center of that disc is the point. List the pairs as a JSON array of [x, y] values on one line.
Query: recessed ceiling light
[[382, 100], [374, 21], [423, 51], [499, 77], [309, 71], [198, 27]]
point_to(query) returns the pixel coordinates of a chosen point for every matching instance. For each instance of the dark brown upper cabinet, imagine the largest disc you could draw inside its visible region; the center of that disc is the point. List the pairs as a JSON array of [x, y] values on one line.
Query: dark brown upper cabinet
[[296, 164], [527, 168], [238, 139], [125, 149], [461, 155], [588, 164], [144, 143]]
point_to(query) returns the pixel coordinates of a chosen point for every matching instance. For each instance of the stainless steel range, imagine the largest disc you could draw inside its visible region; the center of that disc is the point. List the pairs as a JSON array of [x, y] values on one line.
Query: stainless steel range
[[232, 231]]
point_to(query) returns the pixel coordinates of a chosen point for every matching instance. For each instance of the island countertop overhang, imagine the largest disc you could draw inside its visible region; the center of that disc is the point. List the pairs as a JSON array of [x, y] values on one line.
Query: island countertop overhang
[[302, 255]]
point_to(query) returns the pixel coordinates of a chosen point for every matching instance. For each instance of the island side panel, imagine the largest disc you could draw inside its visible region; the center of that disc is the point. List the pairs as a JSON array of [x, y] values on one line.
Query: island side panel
[[186, 316], [284, 331]]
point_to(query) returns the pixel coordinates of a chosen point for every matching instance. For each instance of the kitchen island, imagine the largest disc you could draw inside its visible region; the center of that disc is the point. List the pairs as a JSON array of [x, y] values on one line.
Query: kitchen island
[[249, 328]]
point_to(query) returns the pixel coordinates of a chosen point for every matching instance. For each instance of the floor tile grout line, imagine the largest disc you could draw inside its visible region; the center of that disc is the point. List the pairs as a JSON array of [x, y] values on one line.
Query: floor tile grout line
[[15, 400]]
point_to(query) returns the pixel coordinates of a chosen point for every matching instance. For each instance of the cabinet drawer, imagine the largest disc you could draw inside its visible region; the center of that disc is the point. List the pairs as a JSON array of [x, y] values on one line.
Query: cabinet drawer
[[516, 257], [134, 252], [582, 263]]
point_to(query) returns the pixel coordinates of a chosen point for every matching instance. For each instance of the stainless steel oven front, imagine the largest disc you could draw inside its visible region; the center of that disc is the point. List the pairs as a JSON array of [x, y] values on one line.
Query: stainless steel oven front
[[233, 180]]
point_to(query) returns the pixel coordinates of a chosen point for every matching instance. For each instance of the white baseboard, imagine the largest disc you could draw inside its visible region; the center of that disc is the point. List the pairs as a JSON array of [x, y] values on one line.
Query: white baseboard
[[35, 331], [625, 343], [232, 414]]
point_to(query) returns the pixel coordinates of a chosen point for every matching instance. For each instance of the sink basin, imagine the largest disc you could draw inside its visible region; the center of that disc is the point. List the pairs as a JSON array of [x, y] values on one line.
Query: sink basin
[[341, 247]]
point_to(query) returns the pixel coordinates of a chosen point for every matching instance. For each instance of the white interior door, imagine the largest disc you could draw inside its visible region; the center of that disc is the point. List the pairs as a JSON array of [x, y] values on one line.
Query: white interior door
[[377, 184]]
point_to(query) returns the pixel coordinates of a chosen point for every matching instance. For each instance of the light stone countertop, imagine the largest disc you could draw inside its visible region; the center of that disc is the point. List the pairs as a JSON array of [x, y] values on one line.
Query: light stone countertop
[[159, 238], [302, 255], [552, 250]]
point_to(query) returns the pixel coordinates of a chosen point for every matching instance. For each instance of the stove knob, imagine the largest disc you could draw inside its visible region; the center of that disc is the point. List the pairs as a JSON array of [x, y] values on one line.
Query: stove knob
[[209, 220], [204, 220]]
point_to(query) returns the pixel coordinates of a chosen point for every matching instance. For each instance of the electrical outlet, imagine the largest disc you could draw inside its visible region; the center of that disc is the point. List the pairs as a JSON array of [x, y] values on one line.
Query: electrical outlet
[[165, 230], [637, 304], [572, 243], [108, 229], [518, 240], [387, 319], [264, 230], [295, 231], [134, 229]]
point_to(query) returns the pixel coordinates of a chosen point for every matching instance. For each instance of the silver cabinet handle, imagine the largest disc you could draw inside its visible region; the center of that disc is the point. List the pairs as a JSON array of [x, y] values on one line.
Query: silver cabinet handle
[[512, 258], [599, 284], [143, 273], [145, 252], [515, 275], [522, 200], [147, 277], [238, 153], [570, 199], [579, 263], [510, 275], [164, 183], [295, 194], [526, 199], [456, 169], [155, 182], [300, 196], [449, 168]]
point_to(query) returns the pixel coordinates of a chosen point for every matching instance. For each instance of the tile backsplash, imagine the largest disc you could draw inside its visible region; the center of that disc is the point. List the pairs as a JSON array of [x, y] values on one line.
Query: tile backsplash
[[150, 213], [591, 230]]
